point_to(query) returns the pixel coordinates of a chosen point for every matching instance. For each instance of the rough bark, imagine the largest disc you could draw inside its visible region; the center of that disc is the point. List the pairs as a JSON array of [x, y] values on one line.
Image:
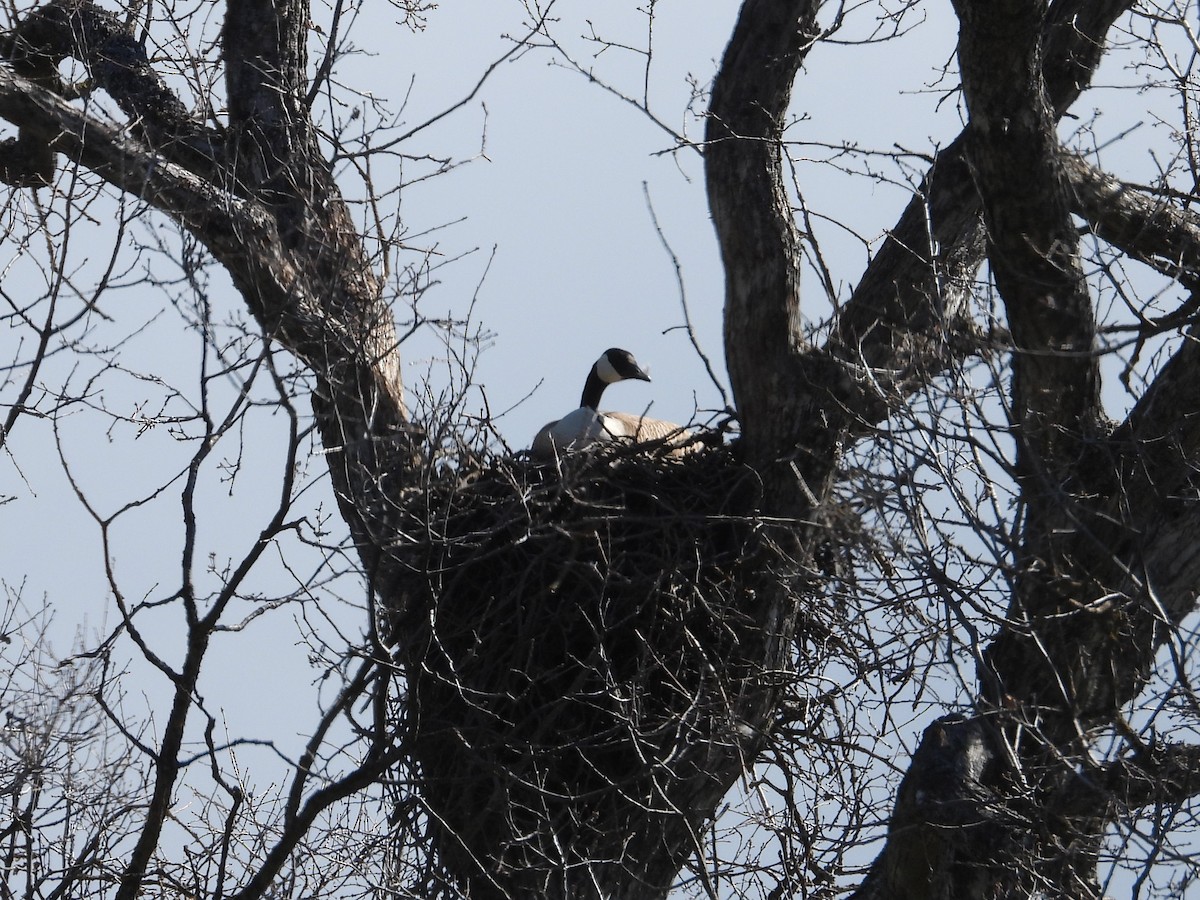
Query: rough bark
[[1105, 566], [760, 251], [1034, 256], [1001, 189], [260, 197], [906, 320], [1107, 560], [266, 207]]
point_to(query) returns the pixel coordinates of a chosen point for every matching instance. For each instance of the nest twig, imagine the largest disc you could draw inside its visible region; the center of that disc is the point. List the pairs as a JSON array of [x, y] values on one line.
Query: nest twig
[[581, 642]]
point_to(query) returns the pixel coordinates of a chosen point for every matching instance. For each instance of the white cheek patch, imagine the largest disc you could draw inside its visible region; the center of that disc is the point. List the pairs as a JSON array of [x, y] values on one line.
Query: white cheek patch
[[605, 370]]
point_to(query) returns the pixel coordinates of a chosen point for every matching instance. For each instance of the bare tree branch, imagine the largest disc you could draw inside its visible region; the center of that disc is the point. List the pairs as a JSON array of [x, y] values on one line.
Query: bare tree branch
[[1146, 227], [117, 63], [760, 246], [1155, 774], [901, 320], [568, 668]]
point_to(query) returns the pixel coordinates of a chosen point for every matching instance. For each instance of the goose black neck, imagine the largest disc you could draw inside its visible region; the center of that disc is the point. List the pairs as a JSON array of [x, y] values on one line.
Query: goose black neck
[[593, 389]]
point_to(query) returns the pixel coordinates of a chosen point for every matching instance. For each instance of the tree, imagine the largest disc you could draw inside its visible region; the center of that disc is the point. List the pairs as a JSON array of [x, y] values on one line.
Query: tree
[[565, 670]]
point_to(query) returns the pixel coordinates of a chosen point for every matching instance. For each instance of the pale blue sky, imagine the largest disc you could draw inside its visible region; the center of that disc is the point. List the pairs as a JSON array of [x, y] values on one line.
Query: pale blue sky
[[577, 267]]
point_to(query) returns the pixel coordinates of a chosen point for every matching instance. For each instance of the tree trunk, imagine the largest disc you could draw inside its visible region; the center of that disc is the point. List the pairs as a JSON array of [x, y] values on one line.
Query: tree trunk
[[579, 705], [971, 816]]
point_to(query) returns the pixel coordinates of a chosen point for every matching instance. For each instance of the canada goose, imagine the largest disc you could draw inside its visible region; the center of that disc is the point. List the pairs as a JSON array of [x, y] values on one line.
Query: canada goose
[[587, 425]]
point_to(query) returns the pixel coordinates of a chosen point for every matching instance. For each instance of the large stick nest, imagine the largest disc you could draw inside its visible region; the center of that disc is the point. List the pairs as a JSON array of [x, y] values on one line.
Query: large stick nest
[[589, 647]]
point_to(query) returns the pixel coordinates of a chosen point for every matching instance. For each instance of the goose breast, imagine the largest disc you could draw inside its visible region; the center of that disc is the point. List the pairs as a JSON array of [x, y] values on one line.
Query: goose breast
[[575, 430]]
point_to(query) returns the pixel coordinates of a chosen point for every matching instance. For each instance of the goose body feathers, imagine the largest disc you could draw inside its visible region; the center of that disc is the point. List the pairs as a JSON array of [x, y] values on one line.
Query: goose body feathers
[[587, 425]]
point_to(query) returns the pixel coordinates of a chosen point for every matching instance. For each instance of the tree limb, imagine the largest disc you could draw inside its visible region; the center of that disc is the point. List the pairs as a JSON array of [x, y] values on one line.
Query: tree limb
[[117, 62], [1127, 534], [760, 246], [1163, 236], [1166, 774], [225, 224], [286, 239], [906, 320], [1033, 247], [266, 80]]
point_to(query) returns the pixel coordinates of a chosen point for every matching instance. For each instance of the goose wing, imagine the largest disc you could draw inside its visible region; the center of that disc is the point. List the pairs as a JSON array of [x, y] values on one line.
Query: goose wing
[[676, 439]]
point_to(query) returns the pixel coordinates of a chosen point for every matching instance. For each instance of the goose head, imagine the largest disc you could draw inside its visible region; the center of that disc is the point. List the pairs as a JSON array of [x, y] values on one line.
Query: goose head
[[613, 365]]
